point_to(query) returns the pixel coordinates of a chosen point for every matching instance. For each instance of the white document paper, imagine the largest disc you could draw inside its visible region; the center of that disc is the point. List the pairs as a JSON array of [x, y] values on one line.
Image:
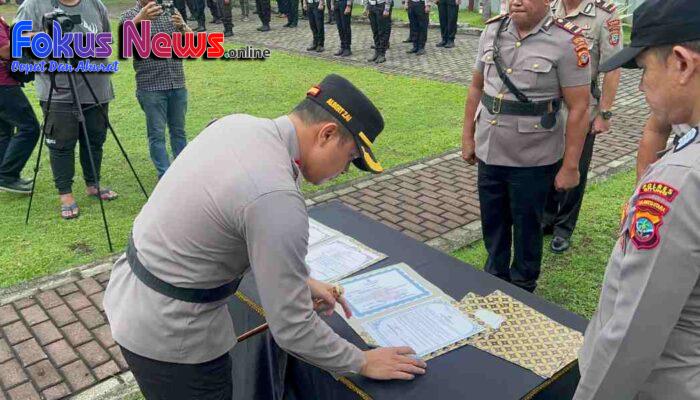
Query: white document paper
[[319, 232], [377, 291], [339, 257], [426, 327]]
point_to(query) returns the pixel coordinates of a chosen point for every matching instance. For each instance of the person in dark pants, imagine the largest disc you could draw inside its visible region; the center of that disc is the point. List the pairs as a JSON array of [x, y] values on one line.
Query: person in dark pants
[[181, 7], [245, 10], [448, 11], [262, 7], [198, 15], [282, 8], [15, 112], [331, 16], [315, 10], [343, 19], [379, 12], [215, 11], [418, 12], [224, 7], [292, 13]]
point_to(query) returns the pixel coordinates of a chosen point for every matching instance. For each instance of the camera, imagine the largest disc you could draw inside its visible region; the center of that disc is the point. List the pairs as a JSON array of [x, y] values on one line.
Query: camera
[[67, 22], [168, 5]]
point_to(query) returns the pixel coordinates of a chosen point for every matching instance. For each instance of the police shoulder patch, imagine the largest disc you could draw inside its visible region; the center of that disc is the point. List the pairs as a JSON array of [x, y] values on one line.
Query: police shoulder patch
[[614, 26], [658, 189], [582, 53], [496, 18], [644, 228], [606, 6]]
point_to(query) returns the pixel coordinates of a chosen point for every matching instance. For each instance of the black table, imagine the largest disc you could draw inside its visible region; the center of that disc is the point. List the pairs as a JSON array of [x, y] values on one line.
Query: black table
[[262, 371]]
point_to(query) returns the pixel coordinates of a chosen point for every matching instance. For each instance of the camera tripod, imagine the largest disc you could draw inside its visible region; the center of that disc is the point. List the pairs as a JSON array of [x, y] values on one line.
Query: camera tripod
[[82, 128]]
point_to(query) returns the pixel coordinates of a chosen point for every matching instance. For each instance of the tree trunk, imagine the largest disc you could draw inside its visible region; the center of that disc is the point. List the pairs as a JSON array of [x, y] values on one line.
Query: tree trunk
[[471, 5]]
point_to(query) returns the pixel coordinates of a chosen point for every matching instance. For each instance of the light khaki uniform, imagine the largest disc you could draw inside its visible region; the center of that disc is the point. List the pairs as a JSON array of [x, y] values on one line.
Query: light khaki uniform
[[602, 31], [229, 202], [540, 65], [643, 341]]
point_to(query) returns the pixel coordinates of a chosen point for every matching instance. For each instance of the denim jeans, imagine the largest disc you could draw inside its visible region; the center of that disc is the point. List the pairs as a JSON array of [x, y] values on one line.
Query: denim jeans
[[164, 107]]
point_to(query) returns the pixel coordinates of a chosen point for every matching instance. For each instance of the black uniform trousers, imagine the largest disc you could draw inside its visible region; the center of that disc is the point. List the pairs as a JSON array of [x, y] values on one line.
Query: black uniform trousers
[[16, 149], [381, 27], [316, 24], [283, 6], [343, 22], [225, 14], [262, 7], [331, 16], [418, 23], [214, 8], [562, 208], [197, 8], [448, 11], [181, 8], [293, 12], [512, 203], [160, 380]]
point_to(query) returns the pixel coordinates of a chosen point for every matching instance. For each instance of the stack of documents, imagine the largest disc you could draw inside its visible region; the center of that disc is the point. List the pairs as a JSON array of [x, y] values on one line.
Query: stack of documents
[[523, 336], [395, 306], [333, 256]]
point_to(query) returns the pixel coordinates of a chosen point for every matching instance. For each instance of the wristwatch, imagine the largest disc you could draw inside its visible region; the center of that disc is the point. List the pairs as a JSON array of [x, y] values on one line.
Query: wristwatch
[[606, 114]]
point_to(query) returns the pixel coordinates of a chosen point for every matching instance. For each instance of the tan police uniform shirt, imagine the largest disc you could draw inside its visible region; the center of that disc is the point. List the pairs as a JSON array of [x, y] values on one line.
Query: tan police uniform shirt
[[229, 201], [539, 64], [602, 29], [643, 341]]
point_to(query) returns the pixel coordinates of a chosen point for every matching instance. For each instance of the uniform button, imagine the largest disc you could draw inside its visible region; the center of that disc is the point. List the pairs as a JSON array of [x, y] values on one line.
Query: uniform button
[[509, 70], [537, 126], [518, 44], [494, 122], [535, 65]]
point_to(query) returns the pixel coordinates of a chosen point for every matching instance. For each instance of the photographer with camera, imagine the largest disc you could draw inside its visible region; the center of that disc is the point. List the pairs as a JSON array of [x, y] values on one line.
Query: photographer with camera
[[63, 130], [160, 84], [15, 112]]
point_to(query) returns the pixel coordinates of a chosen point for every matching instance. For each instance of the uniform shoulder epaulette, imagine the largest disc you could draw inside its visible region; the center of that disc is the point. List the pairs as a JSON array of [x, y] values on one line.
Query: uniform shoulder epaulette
[[568, 26], [496, 18], [605, 6]]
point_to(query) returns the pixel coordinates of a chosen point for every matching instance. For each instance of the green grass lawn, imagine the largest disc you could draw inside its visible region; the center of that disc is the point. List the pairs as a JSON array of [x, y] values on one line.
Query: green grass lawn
[[573, 280], [216, 88]]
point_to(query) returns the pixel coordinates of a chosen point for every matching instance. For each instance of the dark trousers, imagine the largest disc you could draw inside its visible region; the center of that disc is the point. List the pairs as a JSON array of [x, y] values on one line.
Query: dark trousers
[[283, 6], [63, 132], [343, 22], [562, 208], [262, 7], [381, 27], [512, 203], [197, 8], [214, 8], [15, 150], [448, 12], [160, 380], [225, 14], [245, 8], [331, 16], [316, 24], [418, 22], [293, 13], [181, 8]]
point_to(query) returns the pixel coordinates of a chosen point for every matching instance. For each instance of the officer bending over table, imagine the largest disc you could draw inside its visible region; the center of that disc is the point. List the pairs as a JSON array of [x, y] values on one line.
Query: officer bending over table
[[230, 202]]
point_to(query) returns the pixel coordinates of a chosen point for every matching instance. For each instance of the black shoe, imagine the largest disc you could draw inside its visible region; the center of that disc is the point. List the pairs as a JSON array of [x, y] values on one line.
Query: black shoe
[[339, 52], [380, 59], [320, 49], [264, 28], [450, 44], [441, 44], [15, 187], [228, 33], [293, 26], [346, 53], [413, 50], [216, 21], [409, 40], [374, 57], [26, 181], [420, 52], [312, 47], [559, 245]]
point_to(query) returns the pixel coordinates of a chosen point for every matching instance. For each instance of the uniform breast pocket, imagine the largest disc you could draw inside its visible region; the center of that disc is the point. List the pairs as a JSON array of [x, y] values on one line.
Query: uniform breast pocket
[[536, 73]]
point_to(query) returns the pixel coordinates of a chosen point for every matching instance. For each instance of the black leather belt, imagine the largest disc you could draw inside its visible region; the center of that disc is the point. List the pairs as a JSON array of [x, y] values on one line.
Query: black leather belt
[[189, 295], [510, 107]]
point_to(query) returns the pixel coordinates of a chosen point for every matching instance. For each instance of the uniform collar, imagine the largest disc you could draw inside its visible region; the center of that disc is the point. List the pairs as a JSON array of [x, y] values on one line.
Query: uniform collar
[[587, 7], [542, 26], [288, 136]]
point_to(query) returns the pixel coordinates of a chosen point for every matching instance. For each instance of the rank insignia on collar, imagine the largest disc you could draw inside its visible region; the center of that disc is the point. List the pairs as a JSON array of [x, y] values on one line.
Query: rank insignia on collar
[[687, 139], [588, 8]]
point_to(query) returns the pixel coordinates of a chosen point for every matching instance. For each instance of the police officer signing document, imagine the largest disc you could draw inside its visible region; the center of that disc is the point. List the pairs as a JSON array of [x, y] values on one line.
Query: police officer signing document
[[231, 202], [528, 63], [643, 342]]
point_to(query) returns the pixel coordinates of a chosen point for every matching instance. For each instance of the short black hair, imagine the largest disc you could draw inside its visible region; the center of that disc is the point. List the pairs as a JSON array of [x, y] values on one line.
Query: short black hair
[[312, 113]]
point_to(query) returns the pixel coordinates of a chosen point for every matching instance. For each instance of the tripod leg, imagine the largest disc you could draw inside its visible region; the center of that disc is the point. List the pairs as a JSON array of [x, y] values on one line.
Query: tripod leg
[[36, 173], [114, 134]]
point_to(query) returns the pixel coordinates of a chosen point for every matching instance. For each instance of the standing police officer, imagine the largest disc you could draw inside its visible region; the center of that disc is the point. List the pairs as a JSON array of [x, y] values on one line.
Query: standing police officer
[[527, 62], [196, 236], [644, 340], [448, 10], [342, 9], [379, 12], [418, 14], [226, 16], [315, 11], [262, 7], [603, 31]]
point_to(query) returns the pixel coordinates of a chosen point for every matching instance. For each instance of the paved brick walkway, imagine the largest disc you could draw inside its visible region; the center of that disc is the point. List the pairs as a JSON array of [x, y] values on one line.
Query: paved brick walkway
[[55, 341]]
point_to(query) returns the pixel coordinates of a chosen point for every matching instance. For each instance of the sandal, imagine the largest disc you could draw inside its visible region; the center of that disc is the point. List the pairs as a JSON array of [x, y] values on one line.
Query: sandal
[[106, 193], [70, 211]]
